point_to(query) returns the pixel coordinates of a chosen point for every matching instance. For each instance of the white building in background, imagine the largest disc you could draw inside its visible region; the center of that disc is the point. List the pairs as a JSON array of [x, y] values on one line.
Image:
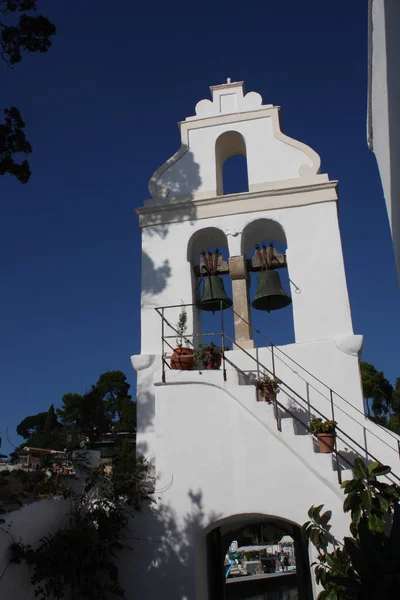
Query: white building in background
[[221, 458], [384, 105]]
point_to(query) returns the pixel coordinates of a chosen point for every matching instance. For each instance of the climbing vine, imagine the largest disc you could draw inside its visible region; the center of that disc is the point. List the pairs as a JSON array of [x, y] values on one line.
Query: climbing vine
[[79, 559]]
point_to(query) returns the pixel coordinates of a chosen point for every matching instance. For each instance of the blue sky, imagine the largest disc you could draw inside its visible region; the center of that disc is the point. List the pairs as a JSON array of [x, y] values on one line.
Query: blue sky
[[101, 110]]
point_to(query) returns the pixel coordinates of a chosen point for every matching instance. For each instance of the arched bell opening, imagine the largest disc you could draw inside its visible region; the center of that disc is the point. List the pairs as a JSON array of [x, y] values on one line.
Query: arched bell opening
[[208, 257], [264, 246], [256, 556], [231, 164]]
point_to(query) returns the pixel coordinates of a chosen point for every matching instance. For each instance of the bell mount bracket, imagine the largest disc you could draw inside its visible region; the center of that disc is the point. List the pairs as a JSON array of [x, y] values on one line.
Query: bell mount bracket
[[266, 257]]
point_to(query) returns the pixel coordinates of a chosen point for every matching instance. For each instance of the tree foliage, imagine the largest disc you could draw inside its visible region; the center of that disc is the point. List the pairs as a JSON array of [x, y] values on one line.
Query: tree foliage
[[85, 414], [13, 142], [385, 399], [21, 30], [377, 388], [114, 389], [42, 431], [367, 565], [394, 419], [106, 408], [31, 425]]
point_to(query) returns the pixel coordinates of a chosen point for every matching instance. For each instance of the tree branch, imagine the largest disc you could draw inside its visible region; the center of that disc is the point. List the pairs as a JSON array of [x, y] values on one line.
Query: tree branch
[[5, 569]]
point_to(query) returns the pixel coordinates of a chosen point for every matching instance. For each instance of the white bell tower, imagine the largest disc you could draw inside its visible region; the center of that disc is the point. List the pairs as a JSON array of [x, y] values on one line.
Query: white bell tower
[[285, 188], [221, 457]]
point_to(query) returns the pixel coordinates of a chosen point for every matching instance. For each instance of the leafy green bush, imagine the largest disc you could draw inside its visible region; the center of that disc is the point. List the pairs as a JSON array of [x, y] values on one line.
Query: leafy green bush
[[209, 353], [367, 565], [317, 425]]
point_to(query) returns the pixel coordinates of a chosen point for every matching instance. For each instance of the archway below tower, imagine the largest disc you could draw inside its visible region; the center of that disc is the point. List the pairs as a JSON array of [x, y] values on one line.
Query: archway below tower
[[257, 557]]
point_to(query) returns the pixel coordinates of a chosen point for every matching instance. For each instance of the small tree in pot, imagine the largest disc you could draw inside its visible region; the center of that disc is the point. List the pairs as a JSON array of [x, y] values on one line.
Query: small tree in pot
[[209, 355], [182, 358], [325, 432], [267, 387]]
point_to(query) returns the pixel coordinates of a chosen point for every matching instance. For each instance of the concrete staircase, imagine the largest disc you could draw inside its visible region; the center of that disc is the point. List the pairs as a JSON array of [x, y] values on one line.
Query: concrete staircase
[[291, 432]]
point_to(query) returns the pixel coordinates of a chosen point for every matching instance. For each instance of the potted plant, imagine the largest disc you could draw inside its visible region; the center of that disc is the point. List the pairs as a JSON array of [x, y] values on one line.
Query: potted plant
[[267, 387], [325, 432], [209, 355], [182, 357]]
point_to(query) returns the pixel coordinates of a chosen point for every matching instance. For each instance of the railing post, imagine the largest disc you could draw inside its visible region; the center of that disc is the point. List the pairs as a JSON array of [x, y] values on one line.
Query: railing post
[[276, 411], [162, 345], [338, 466], [273, 360], [223, 341], [332, 405], [308, 399]]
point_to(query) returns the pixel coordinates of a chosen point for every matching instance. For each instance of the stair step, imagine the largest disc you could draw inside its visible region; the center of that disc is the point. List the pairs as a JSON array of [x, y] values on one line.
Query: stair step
[[291, 430], [292, 427], [287, 425], [347, 474]]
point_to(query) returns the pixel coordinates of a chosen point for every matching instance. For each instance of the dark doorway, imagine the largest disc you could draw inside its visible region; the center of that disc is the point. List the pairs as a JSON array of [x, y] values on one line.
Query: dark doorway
[[251, 557]]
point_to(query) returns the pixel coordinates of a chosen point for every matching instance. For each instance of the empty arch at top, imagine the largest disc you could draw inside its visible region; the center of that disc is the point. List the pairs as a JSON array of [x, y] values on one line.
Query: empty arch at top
[[233, 124], [228, 145]]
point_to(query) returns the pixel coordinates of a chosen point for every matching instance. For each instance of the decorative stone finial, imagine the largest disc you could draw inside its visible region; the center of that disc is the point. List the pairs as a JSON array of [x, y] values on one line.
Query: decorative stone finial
[[228, 98]]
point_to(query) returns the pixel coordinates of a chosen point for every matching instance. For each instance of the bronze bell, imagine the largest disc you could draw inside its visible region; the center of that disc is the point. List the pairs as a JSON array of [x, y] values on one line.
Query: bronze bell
[[270, 293], [213, 294]]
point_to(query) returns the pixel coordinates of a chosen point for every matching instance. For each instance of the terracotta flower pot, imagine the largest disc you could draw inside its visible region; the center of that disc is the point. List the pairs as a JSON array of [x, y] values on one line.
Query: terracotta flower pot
[[182, 359], [326, 442], [215, 363]]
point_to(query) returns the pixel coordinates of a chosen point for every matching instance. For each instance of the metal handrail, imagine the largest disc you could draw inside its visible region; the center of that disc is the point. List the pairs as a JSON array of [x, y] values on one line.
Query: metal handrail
[[277, 404], [164, 355], [331, 391], [160, 311], [308, 404]]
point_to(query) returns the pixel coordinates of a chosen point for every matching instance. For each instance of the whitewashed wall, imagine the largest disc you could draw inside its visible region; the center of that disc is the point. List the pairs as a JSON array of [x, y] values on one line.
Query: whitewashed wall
[[384, 105], [218, 455], [315, 265], [217, 451]]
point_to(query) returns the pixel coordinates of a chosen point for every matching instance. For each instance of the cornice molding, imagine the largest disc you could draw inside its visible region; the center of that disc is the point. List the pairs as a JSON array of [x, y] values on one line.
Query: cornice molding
[[186, 208]]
